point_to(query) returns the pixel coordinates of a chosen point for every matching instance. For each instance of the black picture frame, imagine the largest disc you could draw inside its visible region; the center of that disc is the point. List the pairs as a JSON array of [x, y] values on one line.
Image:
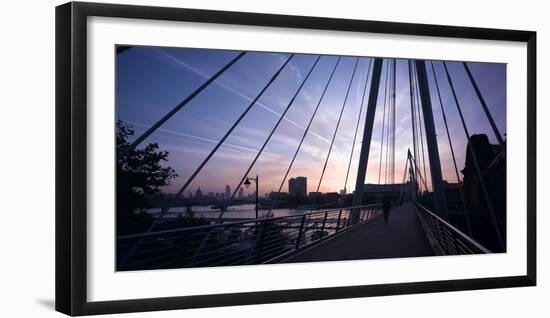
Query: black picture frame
[[71, 157]]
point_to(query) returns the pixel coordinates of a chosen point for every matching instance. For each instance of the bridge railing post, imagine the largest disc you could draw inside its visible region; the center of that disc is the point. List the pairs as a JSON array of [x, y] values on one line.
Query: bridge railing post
[[260, 235], [338, 222], [323, 226], [300, 232]]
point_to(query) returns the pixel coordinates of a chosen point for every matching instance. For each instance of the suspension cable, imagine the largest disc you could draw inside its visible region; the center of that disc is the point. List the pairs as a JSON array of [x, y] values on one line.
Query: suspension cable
[[460, 189], [388, 127], [220, 142], [422, 179], [485, 108], [182, 104], [413, 173], [390, 147], [476, 164], [420, 124], [357, 124], [337, 125], [403, 179], [413, 121], [309, 124], [392, 105], [383, 125], [290, 103]]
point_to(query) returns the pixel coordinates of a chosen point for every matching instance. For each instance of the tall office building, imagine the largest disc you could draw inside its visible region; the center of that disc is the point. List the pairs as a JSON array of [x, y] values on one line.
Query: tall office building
[[297, 187]]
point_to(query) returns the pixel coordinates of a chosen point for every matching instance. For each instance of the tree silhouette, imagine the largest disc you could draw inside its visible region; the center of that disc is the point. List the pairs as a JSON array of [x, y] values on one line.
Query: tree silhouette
[[140, 175]]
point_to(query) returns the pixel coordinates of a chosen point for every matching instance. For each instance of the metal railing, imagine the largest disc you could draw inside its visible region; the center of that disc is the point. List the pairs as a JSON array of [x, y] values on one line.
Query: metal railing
[[252, 241], [448, 239]]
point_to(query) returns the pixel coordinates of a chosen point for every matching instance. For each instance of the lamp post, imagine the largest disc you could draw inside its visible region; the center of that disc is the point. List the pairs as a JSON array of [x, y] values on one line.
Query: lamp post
[[247, 184]]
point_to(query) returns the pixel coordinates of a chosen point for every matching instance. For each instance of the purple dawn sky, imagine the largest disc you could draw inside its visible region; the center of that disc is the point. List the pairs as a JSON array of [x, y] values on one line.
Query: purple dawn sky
[[150, 81]]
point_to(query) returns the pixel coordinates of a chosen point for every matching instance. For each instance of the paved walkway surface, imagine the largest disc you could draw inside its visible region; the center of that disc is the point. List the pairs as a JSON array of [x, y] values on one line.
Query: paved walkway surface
[[402, 236]]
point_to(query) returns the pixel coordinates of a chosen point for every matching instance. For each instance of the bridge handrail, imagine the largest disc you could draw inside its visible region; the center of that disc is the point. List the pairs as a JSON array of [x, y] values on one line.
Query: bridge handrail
[[437, 221], [253, 241], [224, 224]]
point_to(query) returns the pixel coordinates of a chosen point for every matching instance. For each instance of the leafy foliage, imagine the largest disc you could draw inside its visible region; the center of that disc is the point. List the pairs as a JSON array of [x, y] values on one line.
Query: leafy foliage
[[140, 175]]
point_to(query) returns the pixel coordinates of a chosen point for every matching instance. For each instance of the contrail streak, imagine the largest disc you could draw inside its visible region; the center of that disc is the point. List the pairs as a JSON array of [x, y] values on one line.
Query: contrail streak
[[208, 140], [238, 93]]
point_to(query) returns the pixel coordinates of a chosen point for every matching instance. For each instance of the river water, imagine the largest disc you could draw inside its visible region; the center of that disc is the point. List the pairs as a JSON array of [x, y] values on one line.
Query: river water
[[244, 211]]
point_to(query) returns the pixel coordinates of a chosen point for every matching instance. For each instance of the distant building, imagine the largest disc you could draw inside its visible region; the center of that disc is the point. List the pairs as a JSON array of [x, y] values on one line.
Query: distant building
[[198, 194], [227, 192], [241, 193], [297, 187], [313, 195], [491, 161], [382, 188], [331, 197], [278, 195], [377, 192]]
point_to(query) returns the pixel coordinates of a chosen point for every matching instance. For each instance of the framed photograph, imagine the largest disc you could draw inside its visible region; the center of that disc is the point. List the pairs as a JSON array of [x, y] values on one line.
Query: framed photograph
[[209, 158]]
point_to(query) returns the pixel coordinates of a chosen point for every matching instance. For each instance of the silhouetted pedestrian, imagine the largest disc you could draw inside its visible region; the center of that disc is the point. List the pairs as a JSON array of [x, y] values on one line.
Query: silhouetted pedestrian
[[386, 206]]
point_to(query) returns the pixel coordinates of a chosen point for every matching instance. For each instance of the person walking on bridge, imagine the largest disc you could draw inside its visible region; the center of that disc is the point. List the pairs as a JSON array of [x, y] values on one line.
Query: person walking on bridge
[[386, 206]]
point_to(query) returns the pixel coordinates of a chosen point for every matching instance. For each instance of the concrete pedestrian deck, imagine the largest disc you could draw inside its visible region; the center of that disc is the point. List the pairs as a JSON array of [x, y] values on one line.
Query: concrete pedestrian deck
[[402, 236]]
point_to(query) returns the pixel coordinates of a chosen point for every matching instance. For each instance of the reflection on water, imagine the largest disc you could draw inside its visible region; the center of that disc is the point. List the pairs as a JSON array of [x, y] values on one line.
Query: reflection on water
[[244, 211]]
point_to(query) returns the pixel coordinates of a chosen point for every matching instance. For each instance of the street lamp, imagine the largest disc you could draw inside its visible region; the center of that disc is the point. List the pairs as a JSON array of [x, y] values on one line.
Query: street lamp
[[247, 184]]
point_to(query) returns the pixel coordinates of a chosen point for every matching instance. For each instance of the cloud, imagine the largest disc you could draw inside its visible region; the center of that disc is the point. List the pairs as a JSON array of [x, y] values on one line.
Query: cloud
[[238, 93], [197, 138], [296, 71]]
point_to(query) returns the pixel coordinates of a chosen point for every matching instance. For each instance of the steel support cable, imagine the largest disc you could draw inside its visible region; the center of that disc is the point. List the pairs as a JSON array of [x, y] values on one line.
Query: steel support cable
[[337, 124], [461, 190], [418, 127], [165, 209], [389, 126], [413, 121], [393, 105], [420, 124], [221, 141], [405, 172], [418, 172], [413, 173], [485, 108], [403, 179], [383, 125], [309, 124], [290, 103], [357, 125], [476, 163], [179, 106], [415, 124]]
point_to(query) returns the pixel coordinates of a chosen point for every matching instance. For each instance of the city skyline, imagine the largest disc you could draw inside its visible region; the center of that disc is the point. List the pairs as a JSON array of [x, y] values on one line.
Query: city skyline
[[150, 81]]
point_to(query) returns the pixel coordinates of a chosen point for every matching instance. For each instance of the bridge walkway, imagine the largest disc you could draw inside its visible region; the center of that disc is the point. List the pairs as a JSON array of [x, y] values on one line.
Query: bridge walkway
[[401, 236]]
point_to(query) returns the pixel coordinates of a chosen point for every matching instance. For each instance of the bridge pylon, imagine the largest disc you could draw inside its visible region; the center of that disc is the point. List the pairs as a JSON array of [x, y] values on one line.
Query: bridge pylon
[[367, 136]]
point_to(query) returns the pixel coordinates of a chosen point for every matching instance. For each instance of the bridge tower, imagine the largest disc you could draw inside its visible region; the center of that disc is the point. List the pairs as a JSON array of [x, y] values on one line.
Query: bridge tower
[[367, 136], [440, 202]]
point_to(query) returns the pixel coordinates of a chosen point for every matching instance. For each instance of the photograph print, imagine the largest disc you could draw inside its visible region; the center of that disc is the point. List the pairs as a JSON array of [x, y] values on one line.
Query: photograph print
[[228, 158]]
